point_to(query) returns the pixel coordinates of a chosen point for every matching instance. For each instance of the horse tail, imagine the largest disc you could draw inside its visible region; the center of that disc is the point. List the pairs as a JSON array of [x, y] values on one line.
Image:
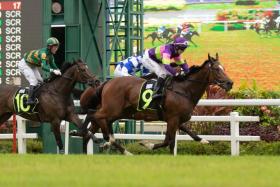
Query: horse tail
[[97, 96]]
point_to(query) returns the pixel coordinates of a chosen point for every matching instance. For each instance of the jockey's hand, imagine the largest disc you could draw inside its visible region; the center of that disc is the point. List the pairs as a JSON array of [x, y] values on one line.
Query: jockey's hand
[[57, 72]]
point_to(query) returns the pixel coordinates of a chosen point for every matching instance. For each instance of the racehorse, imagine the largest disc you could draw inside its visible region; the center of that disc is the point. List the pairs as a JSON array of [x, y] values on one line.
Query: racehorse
[[118, 99], [165, 35], [266, 28], [187, 36], [55, 103]]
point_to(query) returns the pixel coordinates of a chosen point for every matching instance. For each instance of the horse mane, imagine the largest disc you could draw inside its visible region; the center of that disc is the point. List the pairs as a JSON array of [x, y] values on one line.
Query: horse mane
[[65, 66], [193, 69]]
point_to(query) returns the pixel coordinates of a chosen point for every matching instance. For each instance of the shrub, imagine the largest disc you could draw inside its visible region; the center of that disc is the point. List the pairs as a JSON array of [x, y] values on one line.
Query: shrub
[[33, 146], [247, 2], [214, 148]]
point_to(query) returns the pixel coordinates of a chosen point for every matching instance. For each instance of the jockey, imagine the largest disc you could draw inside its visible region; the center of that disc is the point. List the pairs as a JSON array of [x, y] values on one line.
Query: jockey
[[130, 66], [162, 59], [183, 26], [161, 30], [33, 60]]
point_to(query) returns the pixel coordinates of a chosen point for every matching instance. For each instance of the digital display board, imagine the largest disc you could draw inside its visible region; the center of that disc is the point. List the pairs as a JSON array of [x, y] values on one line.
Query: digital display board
[[20, 31]]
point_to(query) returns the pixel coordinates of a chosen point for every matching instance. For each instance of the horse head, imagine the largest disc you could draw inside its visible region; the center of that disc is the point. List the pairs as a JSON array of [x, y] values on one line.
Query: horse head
[[217, 73], [79, 71], [195, 33]]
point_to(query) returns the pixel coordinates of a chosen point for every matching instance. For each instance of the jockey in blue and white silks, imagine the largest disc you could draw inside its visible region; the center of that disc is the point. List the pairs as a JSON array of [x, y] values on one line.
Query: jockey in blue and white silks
[[130, 66]]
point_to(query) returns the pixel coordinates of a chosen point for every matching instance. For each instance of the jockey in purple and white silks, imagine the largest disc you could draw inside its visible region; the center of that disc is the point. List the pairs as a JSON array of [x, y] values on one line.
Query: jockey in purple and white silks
[[130, 66], [162, 59]]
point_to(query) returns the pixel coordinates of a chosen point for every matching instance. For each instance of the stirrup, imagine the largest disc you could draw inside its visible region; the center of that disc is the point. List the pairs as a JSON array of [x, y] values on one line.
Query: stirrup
[[30, 102], [157, 95]]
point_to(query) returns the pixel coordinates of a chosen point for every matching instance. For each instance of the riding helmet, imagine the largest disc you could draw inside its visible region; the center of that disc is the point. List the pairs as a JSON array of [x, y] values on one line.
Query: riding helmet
[[52, 41], [181, 43]]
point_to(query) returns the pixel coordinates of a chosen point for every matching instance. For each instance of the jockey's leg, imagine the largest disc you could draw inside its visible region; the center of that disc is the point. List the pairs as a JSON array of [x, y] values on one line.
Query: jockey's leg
[[158, 87], [29, 74], [162, 73], [30, 100]]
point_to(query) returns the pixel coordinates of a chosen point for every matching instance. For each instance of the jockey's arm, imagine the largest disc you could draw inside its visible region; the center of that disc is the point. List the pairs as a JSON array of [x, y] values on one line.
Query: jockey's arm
[[52, 64], [45, 65], [166, 61], [182, 64]]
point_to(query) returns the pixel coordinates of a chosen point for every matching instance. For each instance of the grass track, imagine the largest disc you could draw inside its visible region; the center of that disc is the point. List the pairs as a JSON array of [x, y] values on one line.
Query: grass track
[[105, 170], [245, 55]]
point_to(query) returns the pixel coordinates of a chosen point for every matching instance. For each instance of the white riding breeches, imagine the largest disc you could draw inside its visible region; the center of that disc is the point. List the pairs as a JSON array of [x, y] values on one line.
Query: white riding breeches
[[121, 71], [154, 67], [31, 73]]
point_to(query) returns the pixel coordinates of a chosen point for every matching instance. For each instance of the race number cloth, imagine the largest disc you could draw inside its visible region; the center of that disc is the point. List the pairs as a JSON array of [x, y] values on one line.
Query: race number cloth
[[146, 96], [20, 100]]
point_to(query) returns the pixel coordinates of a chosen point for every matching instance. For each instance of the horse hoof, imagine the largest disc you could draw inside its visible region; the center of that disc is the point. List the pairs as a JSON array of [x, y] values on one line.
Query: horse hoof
[[203, 141], [127, 153], [61, 152], [73, 133], [77, 133], [150, 146], [106, 145]]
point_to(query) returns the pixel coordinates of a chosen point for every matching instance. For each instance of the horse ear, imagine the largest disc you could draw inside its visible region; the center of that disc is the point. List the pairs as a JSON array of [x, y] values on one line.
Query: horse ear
[[73, 59], [217, 56], [209, 58]]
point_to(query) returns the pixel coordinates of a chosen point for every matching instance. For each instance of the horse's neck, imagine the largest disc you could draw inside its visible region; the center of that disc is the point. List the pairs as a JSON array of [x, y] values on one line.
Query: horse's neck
[[64, 84], [195, 86]]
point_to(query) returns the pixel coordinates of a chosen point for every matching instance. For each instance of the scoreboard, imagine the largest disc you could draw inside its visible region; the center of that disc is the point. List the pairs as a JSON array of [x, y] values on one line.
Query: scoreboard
[[20, 31]]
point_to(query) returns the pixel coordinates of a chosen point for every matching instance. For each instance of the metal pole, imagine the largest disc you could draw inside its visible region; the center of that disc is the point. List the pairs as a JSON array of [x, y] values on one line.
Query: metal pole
[[14, 134]]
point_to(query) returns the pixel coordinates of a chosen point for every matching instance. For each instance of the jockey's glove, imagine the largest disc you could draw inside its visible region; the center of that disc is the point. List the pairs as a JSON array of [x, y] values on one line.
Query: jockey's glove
[[56, 71]]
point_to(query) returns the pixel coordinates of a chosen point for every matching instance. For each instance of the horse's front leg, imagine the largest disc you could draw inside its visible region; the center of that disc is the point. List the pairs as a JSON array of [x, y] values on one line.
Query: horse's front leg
[[108, 135], [193, 43], [172, 126], [185, 129], [82, 127], [56, 131]]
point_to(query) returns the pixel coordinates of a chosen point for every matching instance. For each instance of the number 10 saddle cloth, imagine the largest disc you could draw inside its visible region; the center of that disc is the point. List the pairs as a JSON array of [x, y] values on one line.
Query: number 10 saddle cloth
[[20, 100]]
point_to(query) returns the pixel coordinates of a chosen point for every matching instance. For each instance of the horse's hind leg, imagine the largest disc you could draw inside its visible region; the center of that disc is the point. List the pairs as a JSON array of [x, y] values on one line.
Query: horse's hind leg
[[4, 117], [184, 128]]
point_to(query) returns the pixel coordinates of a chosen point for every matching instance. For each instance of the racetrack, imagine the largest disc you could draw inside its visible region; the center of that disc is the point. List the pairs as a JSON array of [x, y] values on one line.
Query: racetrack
[[245, 55], [157, 170]]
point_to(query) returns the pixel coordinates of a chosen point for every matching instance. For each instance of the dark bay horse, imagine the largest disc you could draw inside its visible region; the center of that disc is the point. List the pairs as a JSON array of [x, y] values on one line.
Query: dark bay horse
[[165, 35], [55, 102], [118, 99]]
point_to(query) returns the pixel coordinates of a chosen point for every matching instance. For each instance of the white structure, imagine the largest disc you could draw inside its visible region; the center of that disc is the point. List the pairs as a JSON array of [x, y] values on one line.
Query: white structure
[[21, 135], [234, 120], [234, 138]]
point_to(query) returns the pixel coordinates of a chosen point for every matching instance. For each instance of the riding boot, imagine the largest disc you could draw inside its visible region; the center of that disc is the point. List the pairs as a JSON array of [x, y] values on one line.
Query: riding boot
[[30, 100], [158, 88]]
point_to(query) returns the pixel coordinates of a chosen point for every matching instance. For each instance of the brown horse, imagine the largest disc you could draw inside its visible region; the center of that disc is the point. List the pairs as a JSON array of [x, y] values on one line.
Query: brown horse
[[118, 99], [55, 102]]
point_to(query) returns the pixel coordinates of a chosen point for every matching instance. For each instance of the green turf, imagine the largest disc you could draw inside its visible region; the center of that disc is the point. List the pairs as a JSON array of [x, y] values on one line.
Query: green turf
[[105, 170], [240, 51]]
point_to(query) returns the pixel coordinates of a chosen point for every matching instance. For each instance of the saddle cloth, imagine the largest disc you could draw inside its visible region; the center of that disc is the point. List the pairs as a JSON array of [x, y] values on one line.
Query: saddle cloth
[[146, 96], [19, 101]]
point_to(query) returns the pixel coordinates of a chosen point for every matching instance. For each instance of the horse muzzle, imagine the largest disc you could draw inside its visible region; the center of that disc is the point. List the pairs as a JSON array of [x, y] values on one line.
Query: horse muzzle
[[227, 85]]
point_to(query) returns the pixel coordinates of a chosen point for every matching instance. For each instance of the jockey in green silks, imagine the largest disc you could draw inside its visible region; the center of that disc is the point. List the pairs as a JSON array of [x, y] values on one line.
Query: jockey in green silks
[[35, 59]]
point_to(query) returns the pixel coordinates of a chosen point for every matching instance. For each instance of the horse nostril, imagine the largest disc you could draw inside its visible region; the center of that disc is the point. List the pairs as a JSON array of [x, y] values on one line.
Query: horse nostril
[[230, 84]]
